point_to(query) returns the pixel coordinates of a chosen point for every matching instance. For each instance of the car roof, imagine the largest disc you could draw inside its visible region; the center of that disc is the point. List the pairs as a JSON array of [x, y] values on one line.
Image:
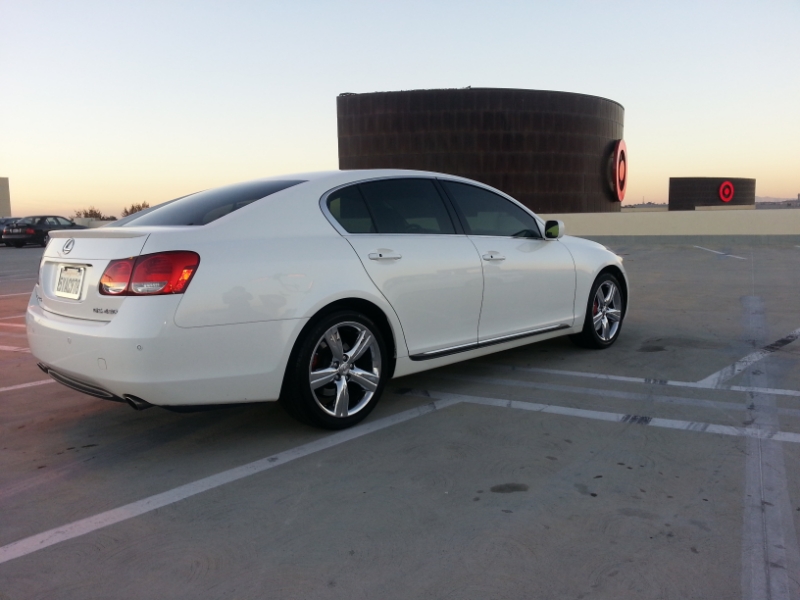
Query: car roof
[[42, 217], [342, 177]]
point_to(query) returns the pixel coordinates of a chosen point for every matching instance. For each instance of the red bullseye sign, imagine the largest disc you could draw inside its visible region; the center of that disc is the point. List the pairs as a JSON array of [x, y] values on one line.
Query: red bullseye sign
[[726, 191], [618, 170]]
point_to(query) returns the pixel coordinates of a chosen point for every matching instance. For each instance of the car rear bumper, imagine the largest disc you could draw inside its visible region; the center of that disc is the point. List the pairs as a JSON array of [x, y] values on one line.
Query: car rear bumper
[[142, 353]]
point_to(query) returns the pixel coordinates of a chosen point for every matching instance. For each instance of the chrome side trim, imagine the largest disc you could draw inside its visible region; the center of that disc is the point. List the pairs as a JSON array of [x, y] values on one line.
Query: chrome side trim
[[492, 342]]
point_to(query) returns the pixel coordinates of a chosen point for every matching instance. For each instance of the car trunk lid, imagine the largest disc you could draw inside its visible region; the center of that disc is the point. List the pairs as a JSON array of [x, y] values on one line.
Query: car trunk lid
[[72, 265]]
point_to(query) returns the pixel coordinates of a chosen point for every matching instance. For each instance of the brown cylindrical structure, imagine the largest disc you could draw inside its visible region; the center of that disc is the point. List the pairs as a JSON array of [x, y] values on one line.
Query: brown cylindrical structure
[[552, 151], [686, 193]]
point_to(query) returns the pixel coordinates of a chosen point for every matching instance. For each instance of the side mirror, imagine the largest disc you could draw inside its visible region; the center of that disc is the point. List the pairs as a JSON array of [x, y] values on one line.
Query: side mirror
[[553, 230]]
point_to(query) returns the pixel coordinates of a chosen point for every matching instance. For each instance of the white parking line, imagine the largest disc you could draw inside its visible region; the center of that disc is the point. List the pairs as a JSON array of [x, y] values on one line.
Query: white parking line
[[27, 385], [13, 325], [770, 556], [721, 253], [554, 409], [146, 505], [606, 393], [441, 400], [650, 381], [20, 294], [14, 349], [731, 371], [14, 317]]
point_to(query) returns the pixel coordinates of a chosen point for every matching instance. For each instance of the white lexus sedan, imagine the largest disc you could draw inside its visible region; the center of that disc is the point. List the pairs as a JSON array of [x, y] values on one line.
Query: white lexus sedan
[[313, 289]]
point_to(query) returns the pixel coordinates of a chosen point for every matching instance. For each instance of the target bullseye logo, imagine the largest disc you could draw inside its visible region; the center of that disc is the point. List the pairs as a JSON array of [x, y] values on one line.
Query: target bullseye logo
[[618, 176], [726, 191]]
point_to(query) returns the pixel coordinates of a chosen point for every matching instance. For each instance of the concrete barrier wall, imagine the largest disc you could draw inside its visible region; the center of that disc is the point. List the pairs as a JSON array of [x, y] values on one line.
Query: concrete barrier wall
[[735, 222]]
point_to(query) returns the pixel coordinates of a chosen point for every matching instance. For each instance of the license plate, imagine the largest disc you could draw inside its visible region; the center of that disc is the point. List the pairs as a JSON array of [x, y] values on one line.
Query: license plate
[[70, 280], [16, 230]]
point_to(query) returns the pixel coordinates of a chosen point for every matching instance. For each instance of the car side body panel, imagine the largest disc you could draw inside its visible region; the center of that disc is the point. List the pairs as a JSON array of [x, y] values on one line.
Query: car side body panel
[[265, 272]]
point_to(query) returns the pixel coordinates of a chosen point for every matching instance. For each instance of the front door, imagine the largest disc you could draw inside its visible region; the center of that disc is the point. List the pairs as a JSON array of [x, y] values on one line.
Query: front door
[[529, 282]]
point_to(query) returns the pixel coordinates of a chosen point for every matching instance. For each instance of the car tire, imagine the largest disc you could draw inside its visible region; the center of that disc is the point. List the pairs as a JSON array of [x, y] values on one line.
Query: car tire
[[605, 312], [19, 244], [337, 371], [45, 239]]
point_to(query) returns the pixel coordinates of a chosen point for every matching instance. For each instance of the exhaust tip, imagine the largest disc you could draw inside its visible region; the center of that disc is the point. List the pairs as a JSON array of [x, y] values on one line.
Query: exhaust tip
[[136, 403]]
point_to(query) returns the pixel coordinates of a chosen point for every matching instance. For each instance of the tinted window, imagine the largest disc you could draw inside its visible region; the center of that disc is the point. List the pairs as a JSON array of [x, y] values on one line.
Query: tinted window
[[406, 206], [64, 222], [203, 207], [348, 208], [486, 213]]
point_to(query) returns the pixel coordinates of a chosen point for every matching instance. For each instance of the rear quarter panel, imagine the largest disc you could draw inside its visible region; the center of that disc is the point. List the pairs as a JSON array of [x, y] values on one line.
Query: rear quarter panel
[[276, 259]]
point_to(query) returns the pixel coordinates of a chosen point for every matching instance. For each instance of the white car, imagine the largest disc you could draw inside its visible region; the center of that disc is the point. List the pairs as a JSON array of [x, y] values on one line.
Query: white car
[[313, 289]]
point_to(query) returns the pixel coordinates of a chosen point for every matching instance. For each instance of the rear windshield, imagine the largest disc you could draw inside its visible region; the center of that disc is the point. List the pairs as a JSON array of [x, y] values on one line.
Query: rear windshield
[[203, 207]]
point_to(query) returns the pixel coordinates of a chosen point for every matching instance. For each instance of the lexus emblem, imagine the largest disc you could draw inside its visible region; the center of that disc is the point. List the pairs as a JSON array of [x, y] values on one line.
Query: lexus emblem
[[68, 246]]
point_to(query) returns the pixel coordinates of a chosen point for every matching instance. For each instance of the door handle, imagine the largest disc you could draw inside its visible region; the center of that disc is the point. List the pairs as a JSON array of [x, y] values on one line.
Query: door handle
[[384, 255], [490, 256]]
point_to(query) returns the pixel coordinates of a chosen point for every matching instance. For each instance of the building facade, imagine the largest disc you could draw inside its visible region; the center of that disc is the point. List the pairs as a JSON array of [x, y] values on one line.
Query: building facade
[[691, 193], [5, 198], [555, 152]]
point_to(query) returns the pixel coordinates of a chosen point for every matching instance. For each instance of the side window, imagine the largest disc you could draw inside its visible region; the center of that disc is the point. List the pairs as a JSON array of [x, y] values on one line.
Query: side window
[[63, 222], [486, 213], [348, 208], [50, 222], [407, 206]]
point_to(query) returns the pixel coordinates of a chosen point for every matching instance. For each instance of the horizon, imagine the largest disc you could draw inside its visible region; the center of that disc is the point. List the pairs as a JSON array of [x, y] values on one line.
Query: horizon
[[108, 105]]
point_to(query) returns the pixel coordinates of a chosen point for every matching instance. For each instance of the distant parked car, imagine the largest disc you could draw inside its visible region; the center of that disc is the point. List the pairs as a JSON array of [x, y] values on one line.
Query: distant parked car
[[5, 221], [35, 230]]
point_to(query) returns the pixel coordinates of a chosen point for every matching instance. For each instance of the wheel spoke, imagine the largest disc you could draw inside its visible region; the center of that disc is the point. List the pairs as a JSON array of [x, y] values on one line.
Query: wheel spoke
[[366, 379], [614, 315], [334, 341], [598, 319], [599, 299], [342, 399], [604, 334], [360, 347], [322, 377], [609, 297]]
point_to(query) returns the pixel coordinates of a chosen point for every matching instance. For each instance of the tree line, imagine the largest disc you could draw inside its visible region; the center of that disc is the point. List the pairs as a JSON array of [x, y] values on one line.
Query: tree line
[[96, 213]]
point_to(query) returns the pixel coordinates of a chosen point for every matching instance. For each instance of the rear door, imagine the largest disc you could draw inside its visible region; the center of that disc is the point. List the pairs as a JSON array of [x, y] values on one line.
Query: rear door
[[406, 239], [529, 283]]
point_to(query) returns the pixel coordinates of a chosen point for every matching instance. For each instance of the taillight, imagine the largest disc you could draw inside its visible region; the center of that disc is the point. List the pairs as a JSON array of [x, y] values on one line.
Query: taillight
[[150, 275], [114, 281], [30, 231]]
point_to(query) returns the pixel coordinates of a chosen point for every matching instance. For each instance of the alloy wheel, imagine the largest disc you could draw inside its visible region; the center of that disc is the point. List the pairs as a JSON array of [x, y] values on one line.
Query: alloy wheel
[[607, 311], [345, 369]]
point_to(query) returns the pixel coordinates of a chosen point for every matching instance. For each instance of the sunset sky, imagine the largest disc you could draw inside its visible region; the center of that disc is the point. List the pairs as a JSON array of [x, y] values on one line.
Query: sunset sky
[[110, 103]]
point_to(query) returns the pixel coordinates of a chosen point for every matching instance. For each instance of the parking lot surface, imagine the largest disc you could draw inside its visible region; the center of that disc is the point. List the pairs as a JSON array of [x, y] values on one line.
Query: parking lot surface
[[663, 467]]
